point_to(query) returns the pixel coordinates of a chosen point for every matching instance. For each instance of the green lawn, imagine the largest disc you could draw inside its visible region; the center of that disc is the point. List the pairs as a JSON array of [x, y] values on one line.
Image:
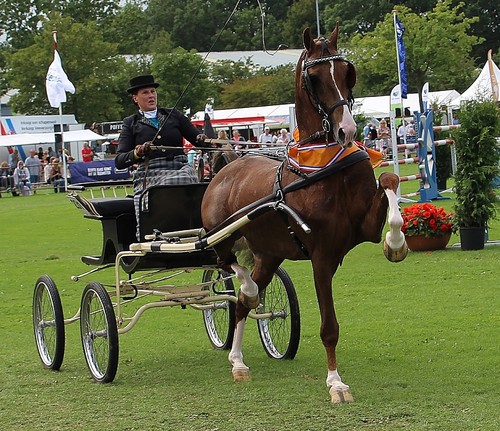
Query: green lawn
[[419, 344]]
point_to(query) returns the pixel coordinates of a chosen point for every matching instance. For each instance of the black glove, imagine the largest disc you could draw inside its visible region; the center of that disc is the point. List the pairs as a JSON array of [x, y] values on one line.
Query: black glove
[[141, 150], [200, 139]]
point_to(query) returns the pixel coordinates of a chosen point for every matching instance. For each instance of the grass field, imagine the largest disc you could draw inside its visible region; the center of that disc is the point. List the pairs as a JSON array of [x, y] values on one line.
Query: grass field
[[419, 344]]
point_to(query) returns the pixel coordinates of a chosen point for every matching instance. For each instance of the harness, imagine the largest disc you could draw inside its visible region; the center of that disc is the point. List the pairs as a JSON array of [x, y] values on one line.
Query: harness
[[323, 110]]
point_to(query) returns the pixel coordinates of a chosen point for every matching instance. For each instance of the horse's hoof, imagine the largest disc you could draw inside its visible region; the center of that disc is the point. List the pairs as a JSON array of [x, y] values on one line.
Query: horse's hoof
[[395, 255], [339, 396], [241, 375], [249, 302]]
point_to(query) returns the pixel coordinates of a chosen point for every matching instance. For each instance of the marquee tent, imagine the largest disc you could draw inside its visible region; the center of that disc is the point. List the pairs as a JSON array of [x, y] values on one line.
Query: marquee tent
[[48, 138], [482, 86]]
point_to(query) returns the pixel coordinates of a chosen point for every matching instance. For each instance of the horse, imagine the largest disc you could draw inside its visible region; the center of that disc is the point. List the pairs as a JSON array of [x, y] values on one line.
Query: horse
[[342, 209]]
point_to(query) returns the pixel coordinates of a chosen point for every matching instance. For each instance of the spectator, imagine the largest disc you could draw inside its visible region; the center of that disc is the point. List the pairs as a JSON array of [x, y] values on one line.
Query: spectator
[[87, 153], [283, 137], [56, 176], [6, 177], [14, 159], [22, 177], [266, 137], [384, 135], [34, 166]]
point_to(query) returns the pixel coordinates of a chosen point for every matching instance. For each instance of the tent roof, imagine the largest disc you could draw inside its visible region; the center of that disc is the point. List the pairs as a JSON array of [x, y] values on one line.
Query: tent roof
[[273, 114], [48, 138], [481, 87], [379, 106]]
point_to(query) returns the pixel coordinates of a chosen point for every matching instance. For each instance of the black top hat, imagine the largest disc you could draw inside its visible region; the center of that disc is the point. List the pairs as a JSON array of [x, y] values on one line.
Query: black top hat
[[142, 82]]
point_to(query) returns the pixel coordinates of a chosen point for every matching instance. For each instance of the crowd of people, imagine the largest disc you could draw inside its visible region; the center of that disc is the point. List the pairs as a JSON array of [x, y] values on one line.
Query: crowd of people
[[379, 137], [40, 167]]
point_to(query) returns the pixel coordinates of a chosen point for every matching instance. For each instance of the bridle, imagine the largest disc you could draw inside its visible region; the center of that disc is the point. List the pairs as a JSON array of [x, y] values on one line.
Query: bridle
[[323, 110]]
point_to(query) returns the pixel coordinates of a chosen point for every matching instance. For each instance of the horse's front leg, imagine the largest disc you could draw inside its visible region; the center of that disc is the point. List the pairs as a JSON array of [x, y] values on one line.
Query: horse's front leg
[[248, 298], [395, 248], [329, 332]]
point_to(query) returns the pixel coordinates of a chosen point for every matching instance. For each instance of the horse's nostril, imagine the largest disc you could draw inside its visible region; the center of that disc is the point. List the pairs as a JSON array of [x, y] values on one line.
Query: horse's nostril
[[341, 135]]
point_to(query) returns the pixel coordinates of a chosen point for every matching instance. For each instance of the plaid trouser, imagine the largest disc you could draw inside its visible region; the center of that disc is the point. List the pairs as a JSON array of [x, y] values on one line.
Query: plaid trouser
[[160, 172]]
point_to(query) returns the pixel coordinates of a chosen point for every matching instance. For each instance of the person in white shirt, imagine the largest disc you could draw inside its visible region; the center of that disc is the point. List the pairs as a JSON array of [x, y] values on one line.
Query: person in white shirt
[[266, 137]]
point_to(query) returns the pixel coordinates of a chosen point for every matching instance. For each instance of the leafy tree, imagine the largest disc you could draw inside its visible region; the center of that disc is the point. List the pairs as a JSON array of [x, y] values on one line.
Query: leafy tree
[[302, 14], [90, 63], [127, 29], [20, 20], [273, 87], [184, 84], [437, 50]]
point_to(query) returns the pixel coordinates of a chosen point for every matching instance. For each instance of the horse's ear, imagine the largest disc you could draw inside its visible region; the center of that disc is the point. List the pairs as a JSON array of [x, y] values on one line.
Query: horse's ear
[[308, 39], [332, 40], [351, 75]]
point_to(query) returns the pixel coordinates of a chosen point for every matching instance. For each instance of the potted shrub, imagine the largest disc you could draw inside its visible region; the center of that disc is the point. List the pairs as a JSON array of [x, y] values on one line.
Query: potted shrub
[[478, 157], [426, 227]]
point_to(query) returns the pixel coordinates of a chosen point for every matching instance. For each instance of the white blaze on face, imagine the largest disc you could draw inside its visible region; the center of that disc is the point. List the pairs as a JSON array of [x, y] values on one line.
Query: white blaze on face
[[347, 124]]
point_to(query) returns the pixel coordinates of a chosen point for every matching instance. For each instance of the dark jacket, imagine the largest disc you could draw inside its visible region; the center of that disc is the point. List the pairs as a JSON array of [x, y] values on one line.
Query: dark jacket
[[137, 129]]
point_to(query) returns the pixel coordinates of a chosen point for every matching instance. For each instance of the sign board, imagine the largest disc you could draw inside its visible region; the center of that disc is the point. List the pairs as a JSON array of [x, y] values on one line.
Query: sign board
[[100, 170]]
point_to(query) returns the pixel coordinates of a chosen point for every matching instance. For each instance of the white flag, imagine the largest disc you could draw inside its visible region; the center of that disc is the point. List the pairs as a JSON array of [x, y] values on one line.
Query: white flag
[[57, 83]]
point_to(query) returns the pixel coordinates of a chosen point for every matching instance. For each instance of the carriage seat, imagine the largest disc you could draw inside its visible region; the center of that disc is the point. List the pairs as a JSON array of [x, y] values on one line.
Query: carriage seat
[[171, 208], [118, 222], [113, 207]]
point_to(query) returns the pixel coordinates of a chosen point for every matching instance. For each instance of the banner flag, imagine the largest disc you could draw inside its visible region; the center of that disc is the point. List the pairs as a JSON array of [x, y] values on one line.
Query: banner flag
[[395, 99], [400, 29], [425, 95], [57, 83]]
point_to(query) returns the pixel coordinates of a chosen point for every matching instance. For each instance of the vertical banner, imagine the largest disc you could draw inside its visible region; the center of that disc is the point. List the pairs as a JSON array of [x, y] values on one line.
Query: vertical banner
[[395, 99], [425, 96], [399, 30]]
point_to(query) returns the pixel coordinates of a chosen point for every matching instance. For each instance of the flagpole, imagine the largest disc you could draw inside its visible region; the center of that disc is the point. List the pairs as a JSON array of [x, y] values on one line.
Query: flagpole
[[61, 128]]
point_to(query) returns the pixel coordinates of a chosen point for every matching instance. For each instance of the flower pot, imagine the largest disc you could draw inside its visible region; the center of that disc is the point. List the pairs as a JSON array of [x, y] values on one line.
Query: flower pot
[[472, 238], [427, 243]]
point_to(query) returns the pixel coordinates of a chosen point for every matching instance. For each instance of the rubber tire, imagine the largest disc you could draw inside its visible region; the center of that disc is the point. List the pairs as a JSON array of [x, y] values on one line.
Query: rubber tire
[[99, 333], [220, 323], [280, 336], [50, 340]]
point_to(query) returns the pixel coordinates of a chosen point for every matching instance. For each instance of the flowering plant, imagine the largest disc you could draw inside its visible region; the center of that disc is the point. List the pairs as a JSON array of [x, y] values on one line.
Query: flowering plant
[[426, 219]]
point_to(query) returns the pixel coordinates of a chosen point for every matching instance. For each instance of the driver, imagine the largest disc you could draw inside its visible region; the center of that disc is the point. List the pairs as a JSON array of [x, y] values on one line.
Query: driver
[[155, 167]]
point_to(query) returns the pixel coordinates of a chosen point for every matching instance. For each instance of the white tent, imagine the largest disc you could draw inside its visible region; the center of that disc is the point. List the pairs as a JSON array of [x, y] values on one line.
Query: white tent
[[379, 106], [482, 86], [48, 138]]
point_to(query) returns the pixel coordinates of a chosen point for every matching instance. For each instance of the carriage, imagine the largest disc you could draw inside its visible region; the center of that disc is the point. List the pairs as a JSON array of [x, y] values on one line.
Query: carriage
[[146, 273], [317, 208]]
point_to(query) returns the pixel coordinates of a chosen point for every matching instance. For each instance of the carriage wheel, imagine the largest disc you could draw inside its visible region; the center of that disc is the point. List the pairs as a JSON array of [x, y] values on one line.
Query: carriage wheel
[[99, 333], [48, 323], [219, 320], [280, 334]]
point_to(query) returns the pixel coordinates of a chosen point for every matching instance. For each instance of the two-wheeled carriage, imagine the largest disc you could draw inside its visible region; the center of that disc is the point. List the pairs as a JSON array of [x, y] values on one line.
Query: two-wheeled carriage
[[173, 244]]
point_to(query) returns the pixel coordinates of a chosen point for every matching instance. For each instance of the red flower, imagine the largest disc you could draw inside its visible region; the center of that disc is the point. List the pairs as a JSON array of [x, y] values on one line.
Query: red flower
[[426, 219]]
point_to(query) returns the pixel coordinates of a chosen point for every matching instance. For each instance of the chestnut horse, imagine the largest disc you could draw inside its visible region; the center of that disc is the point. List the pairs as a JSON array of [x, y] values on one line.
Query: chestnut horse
[[342, 209]]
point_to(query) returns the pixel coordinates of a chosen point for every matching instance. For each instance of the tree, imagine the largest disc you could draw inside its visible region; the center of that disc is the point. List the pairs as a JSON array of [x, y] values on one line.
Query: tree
[[90, 63], [273, 87], [437, 50], [20, 20], [127, 29], [183, 81]]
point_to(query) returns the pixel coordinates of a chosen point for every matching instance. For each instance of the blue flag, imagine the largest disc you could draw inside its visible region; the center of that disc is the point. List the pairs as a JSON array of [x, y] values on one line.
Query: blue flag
[[400, 29]]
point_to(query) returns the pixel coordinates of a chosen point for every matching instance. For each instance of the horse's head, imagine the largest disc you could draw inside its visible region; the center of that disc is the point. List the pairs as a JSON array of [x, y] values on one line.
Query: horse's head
[[323, 90]]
